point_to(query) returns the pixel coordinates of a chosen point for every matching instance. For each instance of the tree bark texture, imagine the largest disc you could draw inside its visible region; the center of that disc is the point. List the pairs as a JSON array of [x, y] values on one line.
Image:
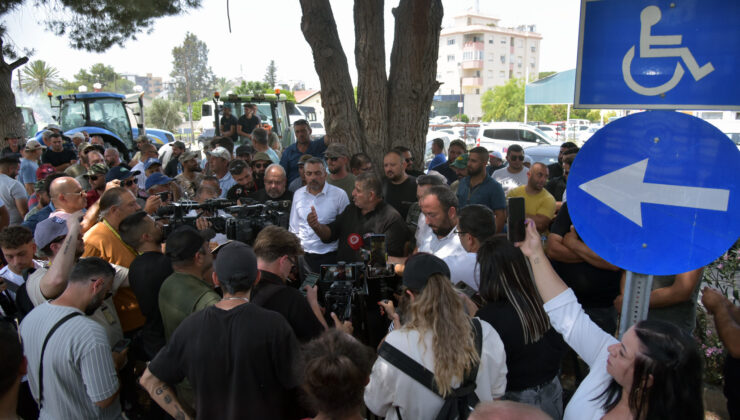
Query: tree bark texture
[[11, 119], [372, 81], [337, 95], [413, 74]]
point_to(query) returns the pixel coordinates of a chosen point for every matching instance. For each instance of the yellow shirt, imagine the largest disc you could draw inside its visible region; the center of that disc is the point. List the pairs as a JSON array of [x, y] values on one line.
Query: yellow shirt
[[100, 241], [541, 203]]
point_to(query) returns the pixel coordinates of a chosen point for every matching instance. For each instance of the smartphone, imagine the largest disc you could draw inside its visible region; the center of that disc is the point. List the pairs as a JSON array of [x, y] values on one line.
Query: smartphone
[[121, 345], [310, 281], [164, 196], [515, 219]]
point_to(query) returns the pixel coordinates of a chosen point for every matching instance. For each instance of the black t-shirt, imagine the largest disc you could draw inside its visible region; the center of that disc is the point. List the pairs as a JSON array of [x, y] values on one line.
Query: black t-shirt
[[248, 124], [528, 364], [227, 122], [243, 363], [594, 287], [146, 275], [556, 187], [261, 196], [732, 386], [396, 195], [58, 158], [447, 172], [383, 220], [171, 169], [554, 170], [271, 293]]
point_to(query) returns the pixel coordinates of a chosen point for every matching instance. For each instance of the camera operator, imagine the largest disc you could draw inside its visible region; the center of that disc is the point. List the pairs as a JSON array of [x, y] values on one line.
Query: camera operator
[[242, 174], [277, 253], [157, 184], [367, 213], [275, 186]]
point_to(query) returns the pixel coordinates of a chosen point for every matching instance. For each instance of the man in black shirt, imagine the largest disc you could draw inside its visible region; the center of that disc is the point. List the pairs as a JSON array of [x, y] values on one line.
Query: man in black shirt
[[275, 186], [146, 275], [399, 189], [56, 155], [408, 157], [228, 125], [556, 169], [243, 360], [242, 174], [367, 214], [277, 252], [247, 123]]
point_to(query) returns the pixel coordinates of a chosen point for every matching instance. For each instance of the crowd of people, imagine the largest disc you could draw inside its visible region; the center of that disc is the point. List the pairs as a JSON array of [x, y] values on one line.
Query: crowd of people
[[111, 310]]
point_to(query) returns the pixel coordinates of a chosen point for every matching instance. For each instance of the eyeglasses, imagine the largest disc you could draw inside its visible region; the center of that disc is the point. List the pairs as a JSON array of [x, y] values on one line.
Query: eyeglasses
[[128, 182], [459, 232], [517, 157]]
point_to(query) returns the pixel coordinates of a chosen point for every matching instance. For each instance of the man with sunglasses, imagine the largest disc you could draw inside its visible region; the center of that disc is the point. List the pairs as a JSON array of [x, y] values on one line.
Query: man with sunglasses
[[337, 158], [408, 157], [260, 162], [96, 177], [515, 173]]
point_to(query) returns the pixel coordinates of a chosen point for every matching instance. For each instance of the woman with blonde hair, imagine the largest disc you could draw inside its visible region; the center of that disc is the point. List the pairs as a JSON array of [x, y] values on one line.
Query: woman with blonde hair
[[442, 338]]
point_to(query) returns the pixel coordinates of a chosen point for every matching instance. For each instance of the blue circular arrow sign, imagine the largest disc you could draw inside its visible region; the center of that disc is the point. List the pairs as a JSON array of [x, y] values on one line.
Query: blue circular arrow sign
[[657, 193]]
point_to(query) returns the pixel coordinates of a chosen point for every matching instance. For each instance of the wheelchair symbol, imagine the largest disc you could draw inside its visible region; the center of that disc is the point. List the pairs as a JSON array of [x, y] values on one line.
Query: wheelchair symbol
[[648, 18]]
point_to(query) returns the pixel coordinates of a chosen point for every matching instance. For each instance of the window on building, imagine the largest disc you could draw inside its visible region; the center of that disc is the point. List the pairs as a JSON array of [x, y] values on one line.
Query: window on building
[[503, 41], [502, 74], [467, 55], [451, 41], [511, 41], [477, 91], [450, 58], [503, 59], [533, 48], [490, 41], [477, 73]]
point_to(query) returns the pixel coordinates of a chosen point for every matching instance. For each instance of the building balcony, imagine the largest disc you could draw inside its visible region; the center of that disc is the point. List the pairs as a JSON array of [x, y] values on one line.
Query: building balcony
[[472, 64], [473, 46], [472, 81]]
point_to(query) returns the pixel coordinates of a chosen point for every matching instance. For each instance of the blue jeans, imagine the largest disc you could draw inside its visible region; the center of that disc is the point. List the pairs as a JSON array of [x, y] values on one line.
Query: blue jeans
[[548, 397]]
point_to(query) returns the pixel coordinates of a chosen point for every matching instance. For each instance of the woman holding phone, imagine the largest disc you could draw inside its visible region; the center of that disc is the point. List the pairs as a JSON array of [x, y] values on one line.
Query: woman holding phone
[[653, 373]]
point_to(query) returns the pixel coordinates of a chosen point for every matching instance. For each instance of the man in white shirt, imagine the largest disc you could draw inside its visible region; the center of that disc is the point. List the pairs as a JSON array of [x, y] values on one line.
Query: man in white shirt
[[12, 192], [515, 173], [439, 208], [148, 151], [316, 201], [16, 243]]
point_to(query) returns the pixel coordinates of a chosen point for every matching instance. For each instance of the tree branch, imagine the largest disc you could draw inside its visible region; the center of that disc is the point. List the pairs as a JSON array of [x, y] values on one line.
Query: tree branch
[[17, 63]]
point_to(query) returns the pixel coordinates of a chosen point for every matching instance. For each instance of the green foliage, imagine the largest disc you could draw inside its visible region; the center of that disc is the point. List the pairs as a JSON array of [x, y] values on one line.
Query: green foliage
[[464, 118], [543, 74], [504, 103], [253, 87], [271, 74], [223, 85], [39, 77], [108, 78], [164, 114], [190, 69], [196, 109]]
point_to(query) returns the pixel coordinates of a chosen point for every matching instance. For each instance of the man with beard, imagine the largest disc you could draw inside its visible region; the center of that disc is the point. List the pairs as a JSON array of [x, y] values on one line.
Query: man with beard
[[260, 162], [190, 178], [12, 192], [173, 166], [275, 186], [439, 206], [302, 146], [77, 378], [113, 158], [96, 177], [479, 188], [337, 158], [146, 275], [399, 189], [242, 174], [218, 161]]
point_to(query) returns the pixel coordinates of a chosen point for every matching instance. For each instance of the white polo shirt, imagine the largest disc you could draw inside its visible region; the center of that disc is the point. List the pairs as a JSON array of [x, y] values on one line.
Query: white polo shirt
[[328, 204]]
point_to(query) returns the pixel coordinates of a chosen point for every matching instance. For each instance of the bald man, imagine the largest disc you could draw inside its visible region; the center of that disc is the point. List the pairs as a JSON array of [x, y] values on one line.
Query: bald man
[[68, 197]]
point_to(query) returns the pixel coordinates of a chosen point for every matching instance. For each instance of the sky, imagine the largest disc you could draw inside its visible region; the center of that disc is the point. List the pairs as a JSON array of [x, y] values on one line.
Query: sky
[[270, 30]]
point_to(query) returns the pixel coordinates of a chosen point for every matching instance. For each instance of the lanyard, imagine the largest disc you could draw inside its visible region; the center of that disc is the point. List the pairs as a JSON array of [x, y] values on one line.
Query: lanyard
[[105, 222]]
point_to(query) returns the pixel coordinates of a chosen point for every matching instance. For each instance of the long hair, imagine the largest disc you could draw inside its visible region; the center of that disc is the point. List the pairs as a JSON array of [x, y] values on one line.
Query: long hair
[[437, 309], [672, 358], [505, 276]]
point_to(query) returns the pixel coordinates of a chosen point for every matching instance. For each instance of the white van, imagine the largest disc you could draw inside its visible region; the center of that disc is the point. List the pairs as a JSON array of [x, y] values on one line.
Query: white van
[[499, 136]]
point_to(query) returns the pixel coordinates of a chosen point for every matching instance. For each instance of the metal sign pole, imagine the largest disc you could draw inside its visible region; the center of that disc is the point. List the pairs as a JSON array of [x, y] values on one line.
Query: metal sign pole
[[636, 301]]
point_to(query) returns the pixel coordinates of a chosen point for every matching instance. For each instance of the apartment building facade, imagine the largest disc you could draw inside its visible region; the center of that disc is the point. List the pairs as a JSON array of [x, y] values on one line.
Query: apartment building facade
[[476, 54]]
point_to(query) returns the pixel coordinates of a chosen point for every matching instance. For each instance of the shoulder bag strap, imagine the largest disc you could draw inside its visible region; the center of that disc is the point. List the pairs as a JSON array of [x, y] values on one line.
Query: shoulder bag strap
[[43, 349], [408, 366]]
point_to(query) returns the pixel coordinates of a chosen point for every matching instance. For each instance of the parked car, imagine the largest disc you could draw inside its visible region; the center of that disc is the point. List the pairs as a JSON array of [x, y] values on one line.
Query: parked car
[[499, 136], [546, 154], [586, 134], [440, 119], [552, 131], [317, 129]]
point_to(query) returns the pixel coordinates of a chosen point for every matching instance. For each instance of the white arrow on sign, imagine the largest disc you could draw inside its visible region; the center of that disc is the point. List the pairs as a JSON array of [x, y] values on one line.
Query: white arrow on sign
[[624, 191]]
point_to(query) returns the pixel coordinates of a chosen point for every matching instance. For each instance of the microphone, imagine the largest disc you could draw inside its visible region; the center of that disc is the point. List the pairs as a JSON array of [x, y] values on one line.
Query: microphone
[[354, 241]]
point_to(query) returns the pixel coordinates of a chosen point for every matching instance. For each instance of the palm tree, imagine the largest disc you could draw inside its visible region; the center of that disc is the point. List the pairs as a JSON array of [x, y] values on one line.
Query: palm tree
[[39, 77], [223, 85]]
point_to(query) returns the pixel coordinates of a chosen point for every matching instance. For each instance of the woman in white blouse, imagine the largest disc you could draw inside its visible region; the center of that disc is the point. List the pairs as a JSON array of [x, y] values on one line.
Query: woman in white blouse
[[653, 373]]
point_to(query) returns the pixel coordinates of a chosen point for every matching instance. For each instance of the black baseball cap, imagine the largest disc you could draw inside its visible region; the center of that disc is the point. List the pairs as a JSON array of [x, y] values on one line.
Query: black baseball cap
[[236, 261], [183, 243], [419, 267]]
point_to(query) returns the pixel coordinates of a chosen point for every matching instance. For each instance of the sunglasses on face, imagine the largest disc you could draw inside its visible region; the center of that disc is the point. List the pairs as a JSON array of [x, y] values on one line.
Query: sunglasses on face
[[516, 157], [128, 182], [333, 159], [409, 160], [260, 165]]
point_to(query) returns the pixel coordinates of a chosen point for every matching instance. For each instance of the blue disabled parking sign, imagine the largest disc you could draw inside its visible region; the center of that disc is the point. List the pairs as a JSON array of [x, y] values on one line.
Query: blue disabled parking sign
[[657, 192]]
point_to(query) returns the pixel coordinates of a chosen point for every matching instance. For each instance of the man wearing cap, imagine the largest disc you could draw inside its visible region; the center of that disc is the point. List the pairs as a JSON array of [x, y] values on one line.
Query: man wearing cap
[[247, 123], [151, 166], [191, 176], [158, 183], [148, 151], [367, 214], [275, 186], [12, 193], [260, 162], [456, 148], [495, 162], [242, 174], [91, 154], [174, 167], [96, 177], [479, 188], [515, 174], [228, 124], [29, 165], [301, 179], [259, 142], [13, 145], [460, 168], [42, 200], [78, 139], [103, 240], [321, 202], [337, 159], [302, 146], [256, 372], [59, 157], [245, 153], [218, 160]]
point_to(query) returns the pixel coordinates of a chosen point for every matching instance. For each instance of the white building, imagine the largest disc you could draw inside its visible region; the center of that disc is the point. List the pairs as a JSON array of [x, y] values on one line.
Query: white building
[[478, 54]]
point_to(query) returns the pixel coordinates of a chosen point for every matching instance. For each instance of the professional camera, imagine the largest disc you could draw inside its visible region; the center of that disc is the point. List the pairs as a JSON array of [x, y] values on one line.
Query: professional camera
[[340, 285], [175, 214], [249, 219]]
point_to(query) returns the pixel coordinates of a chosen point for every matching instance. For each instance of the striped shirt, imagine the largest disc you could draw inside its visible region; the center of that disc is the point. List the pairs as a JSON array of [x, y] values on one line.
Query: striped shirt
[[78, 368]]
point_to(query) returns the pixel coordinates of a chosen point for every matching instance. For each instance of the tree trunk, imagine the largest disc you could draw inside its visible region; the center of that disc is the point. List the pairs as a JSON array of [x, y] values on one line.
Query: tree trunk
[[413, 73], [337, 95], [372, 82], [11, 119]]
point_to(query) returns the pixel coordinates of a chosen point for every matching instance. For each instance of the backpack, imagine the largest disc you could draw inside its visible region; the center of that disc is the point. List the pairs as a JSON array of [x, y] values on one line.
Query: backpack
[[457, 405]]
